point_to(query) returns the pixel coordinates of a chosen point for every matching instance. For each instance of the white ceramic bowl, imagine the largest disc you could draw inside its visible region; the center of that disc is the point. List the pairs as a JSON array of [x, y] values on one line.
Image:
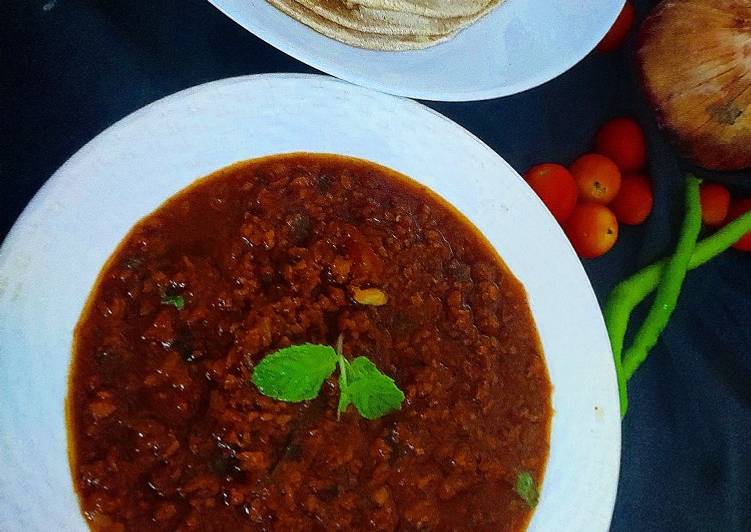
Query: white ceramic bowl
[[519, 45], [52, 256]]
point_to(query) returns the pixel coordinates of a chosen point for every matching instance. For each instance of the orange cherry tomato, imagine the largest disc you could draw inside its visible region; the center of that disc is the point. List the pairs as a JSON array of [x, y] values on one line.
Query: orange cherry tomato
[[556, 187], [715, 202], [619, 30], [622, 139], [592, 229], [597, 178], [634, 201], [738, 207]]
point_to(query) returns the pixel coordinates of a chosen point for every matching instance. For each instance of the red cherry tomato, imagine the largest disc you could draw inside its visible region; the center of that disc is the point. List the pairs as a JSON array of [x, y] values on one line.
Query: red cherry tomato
[[619, 30], [556, 187], [597, 178], [715, 202], [634, 201], [592, 230], [737, 208], [622, 139]]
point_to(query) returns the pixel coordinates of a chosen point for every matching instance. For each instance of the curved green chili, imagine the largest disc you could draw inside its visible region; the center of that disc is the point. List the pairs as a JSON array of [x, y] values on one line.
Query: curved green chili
[[618, 307], [630, 292], [671, 282], [641, 284]]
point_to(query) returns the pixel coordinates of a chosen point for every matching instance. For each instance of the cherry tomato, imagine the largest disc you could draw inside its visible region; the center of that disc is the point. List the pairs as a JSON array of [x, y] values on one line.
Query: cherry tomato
[[634, 201], [737, 208], [556, 187], [619, 30], [592, 230], [597, 178], [715, 202], [622, 139]]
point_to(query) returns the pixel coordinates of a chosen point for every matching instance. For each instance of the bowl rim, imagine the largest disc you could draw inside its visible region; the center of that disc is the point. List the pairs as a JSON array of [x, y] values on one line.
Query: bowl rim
[[42, 200]]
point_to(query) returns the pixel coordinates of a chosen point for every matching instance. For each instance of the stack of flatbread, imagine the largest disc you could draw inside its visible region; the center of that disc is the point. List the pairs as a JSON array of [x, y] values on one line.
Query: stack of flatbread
[[387, 24]]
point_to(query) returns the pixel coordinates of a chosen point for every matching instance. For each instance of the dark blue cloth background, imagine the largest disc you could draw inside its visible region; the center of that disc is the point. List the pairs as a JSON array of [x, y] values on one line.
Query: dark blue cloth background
[[70, 68]]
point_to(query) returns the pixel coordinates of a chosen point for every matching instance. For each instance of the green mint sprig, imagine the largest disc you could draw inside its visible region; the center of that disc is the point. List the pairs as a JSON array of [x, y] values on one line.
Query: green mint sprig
[[176, 301], [296, 373], [527, 489]]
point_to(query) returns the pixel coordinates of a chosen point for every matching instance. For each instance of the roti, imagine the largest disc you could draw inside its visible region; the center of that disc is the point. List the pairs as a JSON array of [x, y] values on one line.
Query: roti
[[387, 21], [430, 8], [353, 37]]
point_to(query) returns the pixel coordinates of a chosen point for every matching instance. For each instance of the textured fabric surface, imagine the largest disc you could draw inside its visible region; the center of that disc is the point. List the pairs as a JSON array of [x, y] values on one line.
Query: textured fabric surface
[[70, 68]]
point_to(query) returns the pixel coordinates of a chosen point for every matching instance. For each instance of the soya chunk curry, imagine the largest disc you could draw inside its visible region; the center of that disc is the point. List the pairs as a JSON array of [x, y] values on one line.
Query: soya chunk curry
[[167, 431]]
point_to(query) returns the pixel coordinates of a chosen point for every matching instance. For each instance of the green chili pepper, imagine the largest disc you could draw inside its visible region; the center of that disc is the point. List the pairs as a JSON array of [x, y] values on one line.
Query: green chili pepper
[[630, 292], [671, 282], [618, 307]]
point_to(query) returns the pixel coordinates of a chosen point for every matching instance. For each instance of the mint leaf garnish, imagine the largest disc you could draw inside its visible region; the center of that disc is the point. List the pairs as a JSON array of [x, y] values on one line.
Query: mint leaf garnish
[[373, 393], [526, 488], [176, 301], [295, 373]]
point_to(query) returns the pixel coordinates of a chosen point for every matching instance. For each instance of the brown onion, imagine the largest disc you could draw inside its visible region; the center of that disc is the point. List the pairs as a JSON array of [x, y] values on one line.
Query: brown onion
[[695, 60]]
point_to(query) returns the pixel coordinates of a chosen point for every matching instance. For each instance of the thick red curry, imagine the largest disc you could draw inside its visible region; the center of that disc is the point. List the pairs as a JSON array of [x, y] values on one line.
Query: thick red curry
[[167, 431]]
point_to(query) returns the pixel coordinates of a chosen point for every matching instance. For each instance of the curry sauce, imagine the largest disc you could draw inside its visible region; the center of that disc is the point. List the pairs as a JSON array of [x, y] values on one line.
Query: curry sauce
[[168, 433]]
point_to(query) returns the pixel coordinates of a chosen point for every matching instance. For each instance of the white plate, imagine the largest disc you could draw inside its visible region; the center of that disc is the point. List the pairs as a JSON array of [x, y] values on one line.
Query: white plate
[[519, 45], [53, 254]]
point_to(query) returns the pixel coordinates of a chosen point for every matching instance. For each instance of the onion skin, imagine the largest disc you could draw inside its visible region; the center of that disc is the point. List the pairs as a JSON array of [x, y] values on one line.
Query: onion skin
[[694, 58]]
